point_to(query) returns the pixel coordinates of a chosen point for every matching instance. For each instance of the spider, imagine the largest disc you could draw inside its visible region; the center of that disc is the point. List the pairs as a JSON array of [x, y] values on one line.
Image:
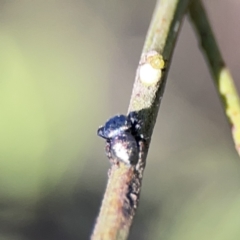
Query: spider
[[122, 138]]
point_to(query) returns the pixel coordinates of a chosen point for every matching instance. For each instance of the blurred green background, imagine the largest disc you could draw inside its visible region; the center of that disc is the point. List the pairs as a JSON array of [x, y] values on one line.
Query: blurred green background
[[66, 67]]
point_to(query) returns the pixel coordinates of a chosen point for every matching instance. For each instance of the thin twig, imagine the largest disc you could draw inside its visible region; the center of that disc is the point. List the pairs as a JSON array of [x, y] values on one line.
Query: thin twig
[[123, 189], [223, 80]]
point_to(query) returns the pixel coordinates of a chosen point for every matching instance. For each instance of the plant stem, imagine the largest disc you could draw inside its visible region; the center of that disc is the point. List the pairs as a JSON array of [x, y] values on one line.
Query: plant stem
[[223, 80], [124, 184]]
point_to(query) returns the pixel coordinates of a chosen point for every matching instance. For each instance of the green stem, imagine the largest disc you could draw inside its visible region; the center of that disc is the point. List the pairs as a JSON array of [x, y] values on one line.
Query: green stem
[[124, 184], [223, 80]]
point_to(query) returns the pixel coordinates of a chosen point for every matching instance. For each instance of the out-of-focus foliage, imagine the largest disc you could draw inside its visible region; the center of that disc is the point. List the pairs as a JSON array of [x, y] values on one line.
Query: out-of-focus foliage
[[48, 93], [49, 102], [65, 67]]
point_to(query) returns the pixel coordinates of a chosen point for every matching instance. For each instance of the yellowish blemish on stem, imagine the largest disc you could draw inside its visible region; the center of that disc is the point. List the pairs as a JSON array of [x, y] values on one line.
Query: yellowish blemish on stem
[[156, 61], [150, 69], [229, 94]]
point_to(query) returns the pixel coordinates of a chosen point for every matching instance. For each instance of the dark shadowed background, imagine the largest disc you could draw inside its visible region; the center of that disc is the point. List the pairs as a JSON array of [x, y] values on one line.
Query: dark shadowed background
[[65, 68]]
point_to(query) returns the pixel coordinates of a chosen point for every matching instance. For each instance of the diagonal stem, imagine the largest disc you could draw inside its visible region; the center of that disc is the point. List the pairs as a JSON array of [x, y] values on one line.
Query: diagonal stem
[[222, 78], [124, 184]]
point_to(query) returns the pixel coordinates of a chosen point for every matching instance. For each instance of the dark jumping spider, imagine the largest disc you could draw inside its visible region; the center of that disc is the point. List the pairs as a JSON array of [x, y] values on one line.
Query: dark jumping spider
[[121, 134]]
